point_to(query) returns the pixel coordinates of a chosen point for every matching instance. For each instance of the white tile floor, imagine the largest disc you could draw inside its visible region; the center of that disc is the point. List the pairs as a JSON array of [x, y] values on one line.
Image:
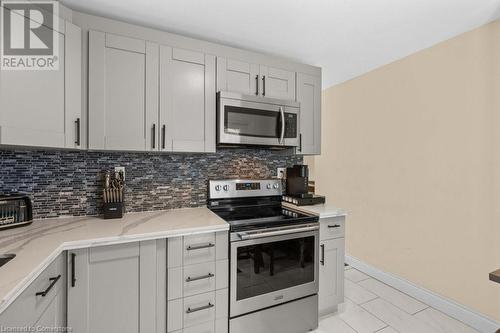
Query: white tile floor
[[372, 306]]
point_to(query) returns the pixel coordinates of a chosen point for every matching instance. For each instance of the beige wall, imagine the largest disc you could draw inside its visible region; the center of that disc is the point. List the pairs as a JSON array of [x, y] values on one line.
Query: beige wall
[[412, 151]]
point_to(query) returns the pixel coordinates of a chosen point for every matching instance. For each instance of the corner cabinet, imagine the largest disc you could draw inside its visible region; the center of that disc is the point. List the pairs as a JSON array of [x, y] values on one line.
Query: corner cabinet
[[149, 97], [118, 288], [309, 96], [43, 302], [42, 108], [254, 79], [331, 267]]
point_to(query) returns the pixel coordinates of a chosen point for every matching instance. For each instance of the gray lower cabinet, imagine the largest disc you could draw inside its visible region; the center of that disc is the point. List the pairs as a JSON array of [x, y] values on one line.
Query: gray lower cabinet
[[42, 108], [43, 303], [187, 101], [123, 98], [309, 96], [118, 288], [331, 268], [254, 79], [198, 275]]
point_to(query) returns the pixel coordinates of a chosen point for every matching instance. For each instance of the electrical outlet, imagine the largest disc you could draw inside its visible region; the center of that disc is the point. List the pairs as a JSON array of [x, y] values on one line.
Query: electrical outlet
[[120, 169], [281, 173]]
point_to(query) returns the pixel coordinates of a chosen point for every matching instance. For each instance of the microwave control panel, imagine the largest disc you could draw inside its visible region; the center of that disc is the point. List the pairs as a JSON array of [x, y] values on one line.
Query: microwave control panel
[[290, 125]]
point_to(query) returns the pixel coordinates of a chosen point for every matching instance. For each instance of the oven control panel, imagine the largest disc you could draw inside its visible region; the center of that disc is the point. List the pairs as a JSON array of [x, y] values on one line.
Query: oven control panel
[[241, 188]]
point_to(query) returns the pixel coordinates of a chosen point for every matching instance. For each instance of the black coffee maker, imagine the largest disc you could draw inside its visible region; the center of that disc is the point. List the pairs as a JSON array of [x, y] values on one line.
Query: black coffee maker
[[297, 181], [297, 187]]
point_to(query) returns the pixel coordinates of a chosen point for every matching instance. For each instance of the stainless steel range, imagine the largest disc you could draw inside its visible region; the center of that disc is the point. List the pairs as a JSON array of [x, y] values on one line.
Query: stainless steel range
[[273, 258]]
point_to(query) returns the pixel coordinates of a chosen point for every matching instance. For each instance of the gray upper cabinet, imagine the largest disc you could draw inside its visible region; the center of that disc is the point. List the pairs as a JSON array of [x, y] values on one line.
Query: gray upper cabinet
[[254, 79], [238, 76], [277, 83], [187, 101], [123, 79], [116, 288], [309, 96], [42, 108]]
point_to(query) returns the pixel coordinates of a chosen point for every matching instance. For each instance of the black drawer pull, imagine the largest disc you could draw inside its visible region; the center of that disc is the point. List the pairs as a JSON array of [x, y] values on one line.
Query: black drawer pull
[[199, 247], [334, 226], [73, 276], [46, 291], [208, 306], [322, 261], [208, 276]]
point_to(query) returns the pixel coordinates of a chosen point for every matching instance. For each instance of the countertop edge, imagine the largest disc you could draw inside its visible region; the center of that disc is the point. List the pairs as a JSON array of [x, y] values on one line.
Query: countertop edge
[[495, 276], [337, 212], [72, 245]]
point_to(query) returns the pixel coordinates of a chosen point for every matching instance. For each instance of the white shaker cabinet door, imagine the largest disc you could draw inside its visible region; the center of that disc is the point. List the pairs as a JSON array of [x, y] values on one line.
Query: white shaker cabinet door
[[331, 275], [237, 76], [42, 108], [32, 105], [187, 101], [277, 83], [115, 288], [123, 81], [309, 96]]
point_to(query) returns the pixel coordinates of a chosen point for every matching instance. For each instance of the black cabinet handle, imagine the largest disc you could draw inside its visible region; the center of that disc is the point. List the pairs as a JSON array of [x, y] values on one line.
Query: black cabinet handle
[[208, 306], [199, 247], [322, 261], [208, 276], [334, 226], [73, 278], [46, 291], [300, 142], [257, 85], [78, 130], [154, 136], [263, 85], [163, 131]]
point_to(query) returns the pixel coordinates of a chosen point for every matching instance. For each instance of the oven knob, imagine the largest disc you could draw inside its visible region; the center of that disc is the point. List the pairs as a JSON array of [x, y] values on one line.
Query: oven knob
[[276, 186], [226, 187], [217, 188], [269, 186]]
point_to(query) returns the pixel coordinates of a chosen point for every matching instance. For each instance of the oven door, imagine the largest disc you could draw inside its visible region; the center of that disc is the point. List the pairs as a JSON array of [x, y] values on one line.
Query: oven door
[[273, 267], [256, 123]]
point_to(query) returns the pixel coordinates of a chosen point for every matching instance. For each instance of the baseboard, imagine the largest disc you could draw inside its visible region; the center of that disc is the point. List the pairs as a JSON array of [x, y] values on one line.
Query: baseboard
[[451, 308]]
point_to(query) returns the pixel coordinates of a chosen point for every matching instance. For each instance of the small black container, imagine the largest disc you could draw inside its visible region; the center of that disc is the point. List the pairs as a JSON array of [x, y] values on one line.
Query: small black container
[[114, 210]]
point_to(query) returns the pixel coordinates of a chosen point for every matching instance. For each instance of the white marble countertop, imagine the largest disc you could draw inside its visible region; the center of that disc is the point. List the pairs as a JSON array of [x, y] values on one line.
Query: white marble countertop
[[38, 244], [323, 210]]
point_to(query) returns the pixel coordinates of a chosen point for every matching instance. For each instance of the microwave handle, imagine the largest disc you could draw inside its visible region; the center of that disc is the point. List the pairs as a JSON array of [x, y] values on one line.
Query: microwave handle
[[282, 135]]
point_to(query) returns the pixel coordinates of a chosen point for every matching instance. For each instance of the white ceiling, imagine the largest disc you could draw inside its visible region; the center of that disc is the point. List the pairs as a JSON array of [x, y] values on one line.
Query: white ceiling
[[345, 37]]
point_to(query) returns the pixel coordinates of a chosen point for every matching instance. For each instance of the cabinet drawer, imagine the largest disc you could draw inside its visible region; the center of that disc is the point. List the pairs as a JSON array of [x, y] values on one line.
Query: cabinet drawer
[[202, 328], [199, 309], [199, 278], [199, 248], [332, 227], [28, 307]]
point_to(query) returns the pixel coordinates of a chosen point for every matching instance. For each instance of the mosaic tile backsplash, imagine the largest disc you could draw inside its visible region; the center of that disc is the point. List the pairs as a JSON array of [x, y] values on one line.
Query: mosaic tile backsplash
[[70, 183]]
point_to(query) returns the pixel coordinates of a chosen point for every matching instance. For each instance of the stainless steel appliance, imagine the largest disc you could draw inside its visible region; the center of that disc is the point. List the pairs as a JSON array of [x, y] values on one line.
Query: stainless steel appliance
[[15, 211], [253, 120], [273, 258]]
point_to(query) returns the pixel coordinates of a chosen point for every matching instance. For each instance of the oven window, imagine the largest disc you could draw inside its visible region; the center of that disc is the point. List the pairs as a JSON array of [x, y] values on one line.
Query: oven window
[[251, 122], [269, 267]]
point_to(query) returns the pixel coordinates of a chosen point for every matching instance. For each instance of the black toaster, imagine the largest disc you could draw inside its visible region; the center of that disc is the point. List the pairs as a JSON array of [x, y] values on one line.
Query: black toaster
[[16, 210]]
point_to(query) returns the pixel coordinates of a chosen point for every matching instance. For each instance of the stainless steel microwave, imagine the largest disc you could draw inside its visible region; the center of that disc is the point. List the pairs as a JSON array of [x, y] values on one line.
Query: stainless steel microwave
[[253, 120]]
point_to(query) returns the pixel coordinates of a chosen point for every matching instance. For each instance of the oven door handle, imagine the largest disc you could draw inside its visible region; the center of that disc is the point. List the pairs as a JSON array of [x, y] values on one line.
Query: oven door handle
[[282, 134], [255, 235]]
